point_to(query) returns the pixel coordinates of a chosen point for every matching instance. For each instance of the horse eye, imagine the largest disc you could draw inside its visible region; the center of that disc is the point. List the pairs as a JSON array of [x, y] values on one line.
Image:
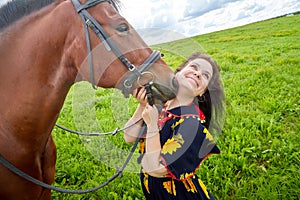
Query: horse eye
[[123, 28]]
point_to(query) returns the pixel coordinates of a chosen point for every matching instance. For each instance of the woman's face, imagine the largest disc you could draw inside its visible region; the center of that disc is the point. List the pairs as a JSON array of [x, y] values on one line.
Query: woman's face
[[195, 76]]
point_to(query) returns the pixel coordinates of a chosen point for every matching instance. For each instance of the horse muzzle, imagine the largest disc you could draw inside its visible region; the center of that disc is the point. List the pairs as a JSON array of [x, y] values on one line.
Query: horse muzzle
[[161, 93]]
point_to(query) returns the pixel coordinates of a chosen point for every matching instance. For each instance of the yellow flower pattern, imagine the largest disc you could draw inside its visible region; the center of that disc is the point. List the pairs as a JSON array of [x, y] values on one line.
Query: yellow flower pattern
[[208, 135], [187, 181], [177, 123], [142, 146], [203, 188], [146, 181], [189, 185], [172, 144], [170, 187]]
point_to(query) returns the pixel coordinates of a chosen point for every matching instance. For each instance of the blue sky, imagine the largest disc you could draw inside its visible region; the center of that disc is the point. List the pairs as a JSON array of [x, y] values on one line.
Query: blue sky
[[164, 20], [185, 18]]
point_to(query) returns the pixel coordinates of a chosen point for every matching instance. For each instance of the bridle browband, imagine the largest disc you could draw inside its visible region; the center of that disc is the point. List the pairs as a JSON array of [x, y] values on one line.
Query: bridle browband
[[110, 45]]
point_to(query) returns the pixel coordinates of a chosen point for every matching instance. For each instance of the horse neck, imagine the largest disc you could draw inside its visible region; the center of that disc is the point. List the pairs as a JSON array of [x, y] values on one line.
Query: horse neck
[[34, 76]]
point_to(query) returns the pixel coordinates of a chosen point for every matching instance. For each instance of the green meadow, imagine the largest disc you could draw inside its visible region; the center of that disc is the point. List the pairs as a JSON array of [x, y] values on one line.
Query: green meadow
[[260, 159]]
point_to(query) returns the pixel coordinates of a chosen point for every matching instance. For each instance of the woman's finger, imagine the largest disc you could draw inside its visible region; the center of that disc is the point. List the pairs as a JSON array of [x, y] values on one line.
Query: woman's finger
[[134, 93]]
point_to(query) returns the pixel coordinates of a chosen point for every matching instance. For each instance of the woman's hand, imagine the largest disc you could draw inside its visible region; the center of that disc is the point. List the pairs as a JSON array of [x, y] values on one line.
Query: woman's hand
[[131, 133], [150, 116], [140, 95]]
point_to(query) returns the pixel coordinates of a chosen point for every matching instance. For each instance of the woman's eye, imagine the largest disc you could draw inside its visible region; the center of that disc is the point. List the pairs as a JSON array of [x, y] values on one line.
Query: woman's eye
[[194, 67], [123, 28], [206, 76]]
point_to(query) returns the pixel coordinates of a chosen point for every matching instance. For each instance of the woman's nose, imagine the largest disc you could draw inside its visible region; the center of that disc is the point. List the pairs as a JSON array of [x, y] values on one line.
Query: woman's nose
[[197, 73]]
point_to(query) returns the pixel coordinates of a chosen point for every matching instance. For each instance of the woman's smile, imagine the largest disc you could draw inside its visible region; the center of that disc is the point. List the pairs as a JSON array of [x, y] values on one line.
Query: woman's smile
[[194, 79]]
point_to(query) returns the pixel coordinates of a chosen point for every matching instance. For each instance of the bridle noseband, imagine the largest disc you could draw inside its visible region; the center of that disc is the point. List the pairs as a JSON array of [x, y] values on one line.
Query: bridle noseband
[[110, 45]]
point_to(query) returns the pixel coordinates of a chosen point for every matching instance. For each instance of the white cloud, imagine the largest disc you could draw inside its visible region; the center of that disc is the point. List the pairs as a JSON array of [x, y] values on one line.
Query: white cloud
[[194, 17], [199, 7], [186, 18], [2, 2], [153, 13]]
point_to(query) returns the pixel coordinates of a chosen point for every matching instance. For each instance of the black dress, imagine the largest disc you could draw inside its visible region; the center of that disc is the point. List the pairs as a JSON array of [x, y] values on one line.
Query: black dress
[[185, 143]]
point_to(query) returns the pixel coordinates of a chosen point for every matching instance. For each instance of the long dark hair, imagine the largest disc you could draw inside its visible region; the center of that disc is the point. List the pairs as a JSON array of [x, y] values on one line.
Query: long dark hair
[[212, 102]]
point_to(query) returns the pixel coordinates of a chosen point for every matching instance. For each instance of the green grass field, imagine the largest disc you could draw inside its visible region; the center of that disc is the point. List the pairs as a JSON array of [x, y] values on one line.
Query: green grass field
[[260, 156]]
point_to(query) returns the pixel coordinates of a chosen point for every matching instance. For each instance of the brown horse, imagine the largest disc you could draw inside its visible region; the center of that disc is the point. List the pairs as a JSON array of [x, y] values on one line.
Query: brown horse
[[43, 53]]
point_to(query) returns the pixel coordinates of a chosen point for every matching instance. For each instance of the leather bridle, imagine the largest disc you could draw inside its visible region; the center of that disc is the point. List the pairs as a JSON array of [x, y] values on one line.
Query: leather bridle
[[110, 45]]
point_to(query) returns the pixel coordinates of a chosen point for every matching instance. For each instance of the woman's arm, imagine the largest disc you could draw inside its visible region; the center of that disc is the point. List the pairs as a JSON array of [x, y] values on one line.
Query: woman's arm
[[151, 159], [131, 133]]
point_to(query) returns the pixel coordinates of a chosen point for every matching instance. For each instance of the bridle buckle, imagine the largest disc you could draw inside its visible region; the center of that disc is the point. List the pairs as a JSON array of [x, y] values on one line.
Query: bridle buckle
[[131, 68]]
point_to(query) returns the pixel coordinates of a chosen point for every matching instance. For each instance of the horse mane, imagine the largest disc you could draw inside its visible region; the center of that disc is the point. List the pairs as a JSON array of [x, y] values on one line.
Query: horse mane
[[16, 9]]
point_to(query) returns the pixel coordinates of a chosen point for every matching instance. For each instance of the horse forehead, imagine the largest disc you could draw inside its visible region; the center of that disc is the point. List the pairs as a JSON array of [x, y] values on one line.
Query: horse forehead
[[105, 12]]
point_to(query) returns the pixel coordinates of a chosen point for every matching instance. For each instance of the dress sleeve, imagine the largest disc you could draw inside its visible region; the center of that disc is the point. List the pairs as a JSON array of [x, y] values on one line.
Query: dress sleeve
[[190, 144]]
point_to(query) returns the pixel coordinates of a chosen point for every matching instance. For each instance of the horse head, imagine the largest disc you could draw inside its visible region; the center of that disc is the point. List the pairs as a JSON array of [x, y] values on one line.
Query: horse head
[[108, 52]]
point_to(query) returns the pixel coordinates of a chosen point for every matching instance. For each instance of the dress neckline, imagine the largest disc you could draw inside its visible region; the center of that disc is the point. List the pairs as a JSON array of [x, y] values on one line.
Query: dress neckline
[[179, 112]]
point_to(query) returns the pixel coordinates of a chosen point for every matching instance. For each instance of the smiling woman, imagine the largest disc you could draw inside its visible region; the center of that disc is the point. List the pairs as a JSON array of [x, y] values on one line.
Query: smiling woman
[[180, 138]]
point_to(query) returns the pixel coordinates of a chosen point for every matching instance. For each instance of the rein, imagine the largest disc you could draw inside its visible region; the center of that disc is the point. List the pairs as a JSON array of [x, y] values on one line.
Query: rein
[[117, 130], [17, 171]]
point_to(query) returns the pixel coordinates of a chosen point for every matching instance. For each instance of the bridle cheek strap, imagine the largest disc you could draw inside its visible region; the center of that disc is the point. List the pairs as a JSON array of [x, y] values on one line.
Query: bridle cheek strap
[[80, 8], [110, 45]]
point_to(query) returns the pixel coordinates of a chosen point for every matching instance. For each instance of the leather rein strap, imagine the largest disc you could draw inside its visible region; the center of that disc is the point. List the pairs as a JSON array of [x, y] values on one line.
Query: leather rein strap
[[110, 45], [29, 178]]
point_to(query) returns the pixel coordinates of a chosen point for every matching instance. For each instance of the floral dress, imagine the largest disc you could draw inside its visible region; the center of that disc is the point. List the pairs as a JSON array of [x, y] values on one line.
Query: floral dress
[[185, 143]]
